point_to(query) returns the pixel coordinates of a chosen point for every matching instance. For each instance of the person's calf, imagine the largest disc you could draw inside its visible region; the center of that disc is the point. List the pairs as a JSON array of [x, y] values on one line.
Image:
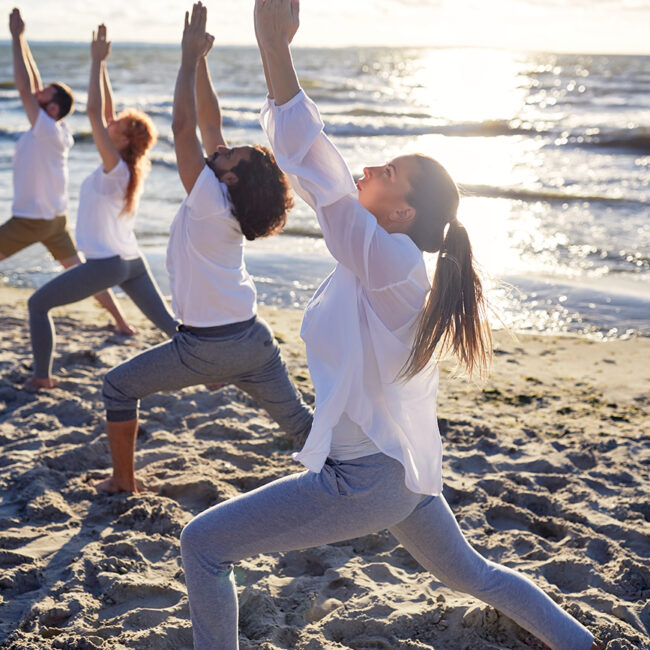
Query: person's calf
[[121, 440]]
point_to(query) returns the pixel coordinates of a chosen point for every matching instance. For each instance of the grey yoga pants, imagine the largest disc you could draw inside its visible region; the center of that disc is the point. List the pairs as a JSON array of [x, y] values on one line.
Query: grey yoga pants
[[348, 499], [83, 281], [247, 357]]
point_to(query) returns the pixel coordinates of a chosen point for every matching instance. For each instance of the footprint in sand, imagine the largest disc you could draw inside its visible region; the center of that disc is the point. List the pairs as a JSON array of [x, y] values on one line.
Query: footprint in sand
[[571, 575], [313, 561], [193, 495], [48, 507], [156, 515], [508, 517], [552, 482], [18, 581]]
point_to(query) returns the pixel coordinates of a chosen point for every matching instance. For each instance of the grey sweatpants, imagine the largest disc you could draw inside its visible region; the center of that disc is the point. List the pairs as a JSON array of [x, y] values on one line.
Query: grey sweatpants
[[348, 499], [250, 359], [83, 281]]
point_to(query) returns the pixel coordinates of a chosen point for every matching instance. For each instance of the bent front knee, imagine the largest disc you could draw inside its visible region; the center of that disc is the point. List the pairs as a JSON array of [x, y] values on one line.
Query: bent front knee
[[200, 542], [120, 405], [38, 303], [193, 539]]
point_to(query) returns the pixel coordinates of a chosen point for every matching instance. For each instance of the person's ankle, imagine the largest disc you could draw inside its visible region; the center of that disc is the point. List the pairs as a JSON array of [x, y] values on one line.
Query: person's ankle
[[40, 382], [125, 483]]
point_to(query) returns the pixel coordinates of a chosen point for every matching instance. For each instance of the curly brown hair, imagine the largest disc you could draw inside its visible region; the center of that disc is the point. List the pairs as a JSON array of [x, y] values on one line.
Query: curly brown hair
[[261, 196], [142, 135]]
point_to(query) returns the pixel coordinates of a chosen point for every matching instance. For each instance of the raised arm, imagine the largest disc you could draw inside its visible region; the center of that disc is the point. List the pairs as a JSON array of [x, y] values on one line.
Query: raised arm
[[31, 67], [109, 110], [209, 113], [26, 77], [321, 177], [99, 50], [276, 23], [196, 42]]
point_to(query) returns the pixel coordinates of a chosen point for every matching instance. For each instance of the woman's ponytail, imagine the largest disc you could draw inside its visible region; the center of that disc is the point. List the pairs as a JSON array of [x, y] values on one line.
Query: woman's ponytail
[[142, 135], [454, 317]]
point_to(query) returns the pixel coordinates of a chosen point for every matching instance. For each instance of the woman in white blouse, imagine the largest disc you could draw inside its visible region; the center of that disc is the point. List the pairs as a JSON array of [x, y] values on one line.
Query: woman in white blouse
[[108, 200], [374, 454]]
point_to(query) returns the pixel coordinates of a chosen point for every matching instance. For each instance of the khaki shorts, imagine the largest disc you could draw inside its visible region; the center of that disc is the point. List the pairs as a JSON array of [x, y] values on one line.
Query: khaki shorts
[[19, 233]]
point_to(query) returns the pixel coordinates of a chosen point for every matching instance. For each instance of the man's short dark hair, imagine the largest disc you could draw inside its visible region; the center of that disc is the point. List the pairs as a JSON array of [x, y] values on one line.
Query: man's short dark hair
[[63, 98], [261, 197]]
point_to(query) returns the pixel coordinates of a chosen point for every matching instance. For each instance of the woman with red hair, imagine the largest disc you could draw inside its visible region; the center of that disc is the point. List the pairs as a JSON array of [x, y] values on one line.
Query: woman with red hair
[[108, 200]]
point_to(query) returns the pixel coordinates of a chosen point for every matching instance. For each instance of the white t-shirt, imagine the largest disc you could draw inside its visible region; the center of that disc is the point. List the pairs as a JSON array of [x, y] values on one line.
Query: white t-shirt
[[41, 170], [208, 279], [102, 230], [359, 326]]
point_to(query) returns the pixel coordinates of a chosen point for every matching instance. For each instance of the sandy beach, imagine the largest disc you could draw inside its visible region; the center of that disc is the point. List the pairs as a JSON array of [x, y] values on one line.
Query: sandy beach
[[547, 468]]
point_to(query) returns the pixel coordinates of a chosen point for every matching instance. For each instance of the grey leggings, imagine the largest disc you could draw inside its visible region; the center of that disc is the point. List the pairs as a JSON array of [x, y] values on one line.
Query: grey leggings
[[243, 354], [83, 281], [348, 499]]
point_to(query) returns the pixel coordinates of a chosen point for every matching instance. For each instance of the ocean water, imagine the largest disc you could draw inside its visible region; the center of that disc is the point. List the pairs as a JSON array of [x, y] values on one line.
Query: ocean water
[[552, 153]]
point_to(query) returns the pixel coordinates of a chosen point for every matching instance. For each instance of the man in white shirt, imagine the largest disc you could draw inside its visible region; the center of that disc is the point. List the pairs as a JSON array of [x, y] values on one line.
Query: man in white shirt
[[234, 193], [41, 169]]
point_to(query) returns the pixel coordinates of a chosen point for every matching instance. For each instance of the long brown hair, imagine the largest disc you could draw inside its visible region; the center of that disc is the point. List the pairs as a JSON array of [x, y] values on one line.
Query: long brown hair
[[454, 317], [142, 135]]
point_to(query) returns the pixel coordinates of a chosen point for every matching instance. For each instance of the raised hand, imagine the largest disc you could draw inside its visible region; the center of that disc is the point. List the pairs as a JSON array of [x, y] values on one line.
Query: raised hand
[[100, 48], [196, 41], [276, 21], [16, 23], [207, 44]]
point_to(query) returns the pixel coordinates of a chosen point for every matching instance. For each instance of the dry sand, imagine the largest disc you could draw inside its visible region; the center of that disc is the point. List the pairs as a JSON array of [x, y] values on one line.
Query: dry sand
[[546, 467]]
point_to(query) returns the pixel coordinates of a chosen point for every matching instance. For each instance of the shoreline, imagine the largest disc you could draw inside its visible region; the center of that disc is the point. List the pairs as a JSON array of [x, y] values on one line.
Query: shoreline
[[528, 304], [546, 466]]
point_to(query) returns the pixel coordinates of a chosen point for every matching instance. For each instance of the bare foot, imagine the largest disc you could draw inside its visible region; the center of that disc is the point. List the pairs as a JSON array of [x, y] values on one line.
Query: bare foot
[[40, 383], [125, 329], [109, 486]]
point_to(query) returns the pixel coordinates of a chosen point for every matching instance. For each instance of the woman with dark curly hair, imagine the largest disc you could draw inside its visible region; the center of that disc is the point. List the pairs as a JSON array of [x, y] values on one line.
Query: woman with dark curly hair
[[108, 201], [235, 192]]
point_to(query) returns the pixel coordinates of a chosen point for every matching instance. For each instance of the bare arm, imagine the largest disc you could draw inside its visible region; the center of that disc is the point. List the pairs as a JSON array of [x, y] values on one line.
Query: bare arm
[[209, 113], [99, 50], [276, 23], [22, 71], [31, 65], [189, 155], [109, 111]]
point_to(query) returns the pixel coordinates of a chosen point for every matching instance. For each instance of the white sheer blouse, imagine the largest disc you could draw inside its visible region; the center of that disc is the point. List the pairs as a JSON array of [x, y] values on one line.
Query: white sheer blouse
[[359, 326]]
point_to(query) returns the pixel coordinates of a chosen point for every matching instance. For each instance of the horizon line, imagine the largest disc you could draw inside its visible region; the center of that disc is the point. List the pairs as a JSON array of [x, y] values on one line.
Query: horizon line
[[354, 46]]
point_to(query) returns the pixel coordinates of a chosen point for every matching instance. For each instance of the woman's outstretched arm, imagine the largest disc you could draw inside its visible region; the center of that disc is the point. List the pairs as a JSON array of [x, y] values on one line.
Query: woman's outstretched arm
[[99, 50], [109, 110], [276, 23]]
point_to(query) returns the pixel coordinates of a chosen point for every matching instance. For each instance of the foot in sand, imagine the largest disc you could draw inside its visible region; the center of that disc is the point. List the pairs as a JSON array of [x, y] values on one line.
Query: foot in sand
[[111, 486], [40, 383], [124, 329]]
